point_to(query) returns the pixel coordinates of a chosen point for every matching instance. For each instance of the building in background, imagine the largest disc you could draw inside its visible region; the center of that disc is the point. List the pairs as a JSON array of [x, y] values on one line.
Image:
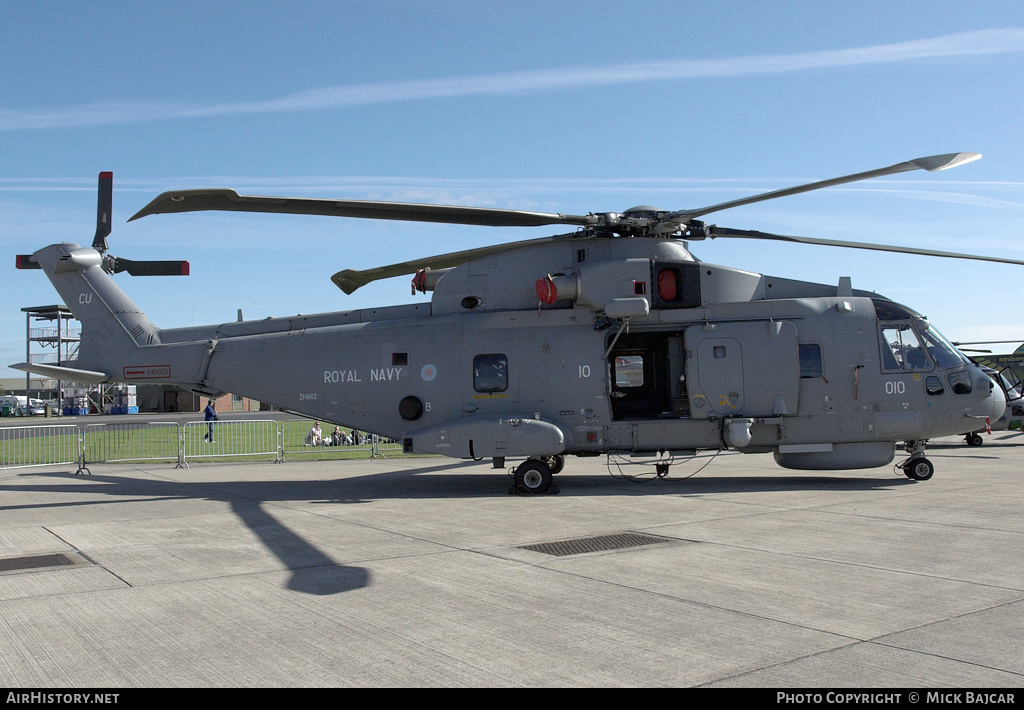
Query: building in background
[[52, 337]]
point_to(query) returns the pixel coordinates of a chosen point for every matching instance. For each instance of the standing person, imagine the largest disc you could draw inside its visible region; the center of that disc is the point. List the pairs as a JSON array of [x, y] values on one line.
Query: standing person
[[210, 416]]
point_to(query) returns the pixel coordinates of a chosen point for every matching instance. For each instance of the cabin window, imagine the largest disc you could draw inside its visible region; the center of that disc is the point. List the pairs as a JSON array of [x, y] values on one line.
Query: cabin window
[[629, 371], [490, 373], [933, 386], [399, 359], [810, 360]]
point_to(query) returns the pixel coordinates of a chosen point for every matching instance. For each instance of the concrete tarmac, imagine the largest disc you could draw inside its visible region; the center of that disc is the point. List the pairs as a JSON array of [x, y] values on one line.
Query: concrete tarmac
[[423, 572]]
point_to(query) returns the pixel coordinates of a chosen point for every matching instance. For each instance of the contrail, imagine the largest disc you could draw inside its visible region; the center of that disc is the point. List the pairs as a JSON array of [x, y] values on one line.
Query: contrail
[[998, 41]]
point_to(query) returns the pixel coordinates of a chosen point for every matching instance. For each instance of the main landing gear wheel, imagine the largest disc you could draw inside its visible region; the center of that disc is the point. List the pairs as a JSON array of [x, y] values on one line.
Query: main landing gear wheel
[[919, 469], [975, 440], [532, 477]]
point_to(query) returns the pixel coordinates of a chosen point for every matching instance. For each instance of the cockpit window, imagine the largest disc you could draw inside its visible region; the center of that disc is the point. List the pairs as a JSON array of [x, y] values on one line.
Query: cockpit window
[[1012, 384], [941, 349], [907, 337], [902, 351], [960, 382], [888, 310]]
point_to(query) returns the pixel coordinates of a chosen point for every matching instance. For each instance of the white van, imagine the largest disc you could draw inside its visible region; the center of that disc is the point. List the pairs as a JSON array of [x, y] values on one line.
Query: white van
[[12, 404]]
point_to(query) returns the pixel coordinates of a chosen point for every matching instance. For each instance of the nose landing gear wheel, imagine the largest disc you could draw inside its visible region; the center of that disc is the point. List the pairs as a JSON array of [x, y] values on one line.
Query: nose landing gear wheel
[[919, 469], [532, 477]]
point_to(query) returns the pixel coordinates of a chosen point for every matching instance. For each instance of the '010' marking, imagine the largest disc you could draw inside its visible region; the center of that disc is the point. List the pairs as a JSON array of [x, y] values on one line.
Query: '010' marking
[[895, 387]]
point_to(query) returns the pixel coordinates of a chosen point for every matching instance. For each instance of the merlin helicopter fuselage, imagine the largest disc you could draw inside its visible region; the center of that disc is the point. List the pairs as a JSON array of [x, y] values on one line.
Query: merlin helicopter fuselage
[[603, 340]]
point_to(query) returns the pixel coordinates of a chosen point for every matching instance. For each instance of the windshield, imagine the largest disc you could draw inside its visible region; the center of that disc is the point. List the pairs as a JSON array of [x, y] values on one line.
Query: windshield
[[1012, 384], [941, 349], [910, 344]]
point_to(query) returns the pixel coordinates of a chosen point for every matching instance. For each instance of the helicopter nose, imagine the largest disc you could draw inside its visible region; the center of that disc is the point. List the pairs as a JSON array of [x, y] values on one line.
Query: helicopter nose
[[994, 405]]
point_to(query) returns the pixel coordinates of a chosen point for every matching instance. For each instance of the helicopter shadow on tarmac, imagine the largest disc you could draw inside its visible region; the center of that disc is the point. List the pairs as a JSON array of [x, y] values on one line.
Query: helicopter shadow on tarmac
[[312, 570]]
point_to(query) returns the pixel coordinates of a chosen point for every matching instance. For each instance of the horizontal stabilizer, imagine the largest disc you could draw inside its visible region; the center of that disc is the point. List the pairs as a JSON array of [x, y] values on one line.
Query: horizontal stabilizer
[[68, 374], [24, 261]]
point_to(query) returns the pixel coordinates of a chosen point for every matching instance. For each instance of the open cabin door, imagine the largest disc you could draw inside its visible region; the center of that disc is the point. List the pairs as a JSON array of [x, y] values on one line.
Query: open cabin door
[[641, 373], [742, 369]]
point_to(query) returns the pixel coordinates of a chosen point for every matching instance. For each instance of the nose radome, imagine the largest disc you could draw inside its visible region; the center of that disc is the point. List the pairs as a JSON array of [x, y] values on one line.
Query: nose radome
[[994, 405]]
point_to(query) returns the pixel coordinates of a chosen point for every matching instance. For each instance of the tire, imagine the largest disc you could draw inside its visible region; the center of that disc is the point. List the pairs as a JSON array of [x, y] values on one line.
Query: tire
[[533, 476], [919, 469]]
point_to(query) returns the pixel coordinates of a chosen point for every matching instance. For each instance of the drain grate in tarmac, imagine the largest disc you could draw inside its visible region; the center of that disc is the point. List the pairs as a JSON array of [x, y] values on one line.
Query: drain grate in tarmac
[[16, 564], [597, 543]]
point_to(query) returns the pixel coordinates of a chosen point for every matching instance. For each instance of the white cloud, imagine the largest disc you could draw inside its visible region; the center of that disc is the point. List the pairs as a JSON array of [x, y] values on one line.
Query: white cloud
[[106, 113]]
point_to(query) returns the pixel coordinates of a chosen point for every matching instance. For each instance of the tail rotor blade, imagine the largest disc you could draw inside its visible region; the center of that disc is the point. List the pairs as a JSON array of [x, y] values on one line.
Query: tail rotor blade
[[151, 268], [104, 208]]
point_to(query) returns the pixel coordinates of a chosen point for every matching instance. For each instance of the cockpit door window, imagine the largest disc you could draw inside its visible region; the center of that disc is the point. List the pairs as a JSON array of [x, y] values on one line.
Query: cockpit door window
[[902, 350]]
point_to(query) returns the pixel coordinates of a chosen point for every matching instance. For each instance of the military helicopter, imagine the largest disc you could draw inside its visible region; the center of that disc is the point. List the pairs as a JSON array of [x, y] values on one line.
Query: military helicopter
[[611, 338], [1006, 371]]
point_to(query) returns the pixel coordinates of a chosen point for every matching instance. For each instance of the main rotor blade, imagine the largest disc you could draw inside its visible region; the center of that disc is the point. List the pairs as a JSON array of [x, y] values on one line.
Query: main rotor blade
[[231, 201], [986, 342], [931, 164], [348, 280], [714, 232]]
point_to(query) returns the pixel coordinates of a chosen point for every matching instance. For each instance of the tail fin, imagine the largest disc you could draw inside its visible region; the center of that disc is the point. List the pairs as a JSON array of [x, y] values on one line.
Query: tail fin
[[106, 312], [114, 329], [110, 320]]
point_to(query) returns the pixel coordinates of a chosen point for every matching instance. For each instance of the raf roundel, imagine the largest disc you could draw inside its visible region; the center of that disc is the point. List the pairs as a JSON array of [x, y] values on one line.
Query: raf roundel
[[428, 373]]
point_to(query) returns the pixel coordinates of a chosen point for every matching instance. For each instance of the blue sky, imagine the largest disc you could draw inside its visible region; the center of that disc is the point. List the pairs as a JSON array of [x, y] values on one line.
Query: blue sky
[[554, 106]]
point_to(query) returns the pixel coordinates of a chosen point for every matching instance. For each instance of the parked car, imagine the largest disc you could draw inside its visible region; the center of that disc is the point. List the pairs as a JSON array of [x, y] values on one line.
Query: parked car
[[12, 405]]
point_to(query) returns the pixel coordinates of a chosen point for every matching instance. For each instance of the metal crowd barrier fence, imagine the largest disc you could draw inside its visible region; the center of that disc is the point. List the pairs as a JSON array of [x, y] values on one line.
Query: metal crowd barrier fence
[[296, 439], [124, 441], [239, 437], [111, 442], [49, 445]]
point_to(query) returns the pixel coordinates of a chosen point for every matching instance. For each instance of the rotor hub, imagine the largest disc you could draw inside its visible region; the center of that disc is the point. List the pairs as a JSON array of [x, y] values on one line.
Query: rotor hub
[[643, 212]]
